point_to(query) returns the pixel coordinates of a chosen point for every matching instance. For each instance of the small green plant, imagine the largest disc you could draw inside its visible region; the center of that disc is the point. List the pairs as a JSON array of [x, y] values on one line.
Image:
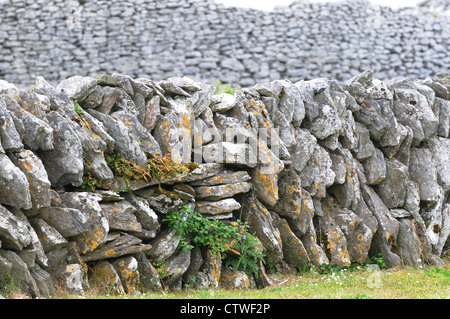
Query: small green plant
[[35, 84], [270, 266], [78, 108], [225, 88], [198, 230], [159, 266], [329, 269], [250, 252], [220, 237], [378, 260], [91, 183], [127, 169], [8, 285], [157, 168]]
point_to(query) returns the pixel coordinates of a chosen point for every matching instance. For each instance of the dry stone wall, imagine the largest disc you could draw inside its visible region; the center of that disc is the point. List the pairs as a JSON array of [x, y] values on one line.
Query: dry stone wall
[[208, 42], [323, 173]]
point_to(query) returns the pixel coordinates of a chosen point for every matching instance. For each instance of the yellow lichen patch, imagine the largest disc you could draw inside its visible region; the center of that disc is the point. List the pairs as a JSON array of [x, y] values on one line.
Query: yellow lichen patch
[[185, 122], [217, 264], [27, 166], [110, 253], [360, 237], [268, 184], [94, 239]]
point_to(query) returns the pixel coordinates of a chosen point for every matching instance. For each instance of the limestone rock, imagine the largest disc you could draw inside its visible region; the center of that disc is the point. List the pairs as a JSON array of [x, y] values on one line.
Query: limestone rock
[[172, 137], [225, 177], [325, 121], [218, 207], [149, 276], [64, 163], [375, 168], [357, 234], [70, 278], [98, 224], [332, 238], [190, 275], [423, 172], [222, 102], [176, 265], [120, 216], [315, 252], [386, 236], [125, 144], [365, 148], [146, 141], [152, 113], [407, 115], [227, 153], [392, 189], [14, 185], [98, 131], [145, 215], [444, 230], [212, 267], [265, 185], [110, 96], [217, 192], [234, 280], [77, 87], [49, 236], [14, 233], [178, 85], [39, 185], [375, 116], [408, 243], [440, 151], [20, 274], [317, 174], [261, 223], [34, 251], [124, 244], [412, 109], [95, 98], [69, 222], [107, 278], [294, 251], [9, 137], [202, 98], [303, 149], [161, 200], [441, 110], [93, 149], [164, 245], [127, 269], [44, 281], [296, 203], [348, 132]]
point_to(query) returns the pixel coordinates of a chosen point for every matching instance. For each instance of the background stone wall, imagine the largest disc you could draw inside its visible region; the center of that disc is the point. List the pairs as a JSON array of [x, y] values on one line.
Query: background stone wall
[[209, 42]]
